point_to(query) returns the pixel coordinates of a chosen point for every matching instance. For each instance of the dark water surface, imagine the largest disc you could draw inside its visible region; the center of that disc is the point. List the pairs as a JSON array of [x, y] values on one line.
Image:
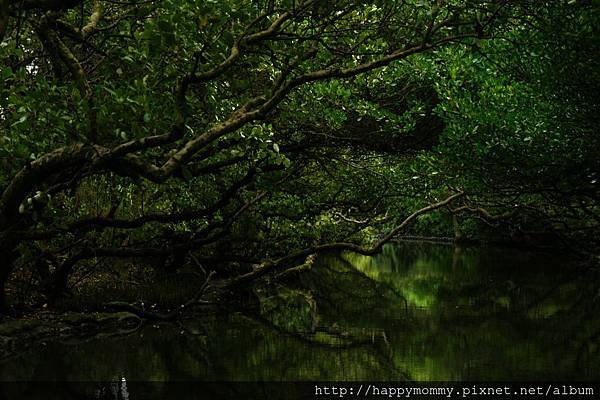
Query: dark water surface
[[429, 312]]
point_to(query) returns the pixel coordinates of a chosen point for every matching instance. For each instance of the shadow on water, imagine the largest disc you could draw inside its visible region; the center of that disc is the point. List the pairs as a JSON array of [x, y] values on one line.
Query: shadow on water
[[415, 311]]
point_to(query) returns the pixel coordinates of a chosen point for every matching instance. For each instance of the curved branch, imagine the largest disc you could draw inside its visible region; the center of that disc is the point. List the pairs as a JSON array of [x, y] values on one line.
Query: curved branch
[[269, 265], [94, 19], [197, 299]]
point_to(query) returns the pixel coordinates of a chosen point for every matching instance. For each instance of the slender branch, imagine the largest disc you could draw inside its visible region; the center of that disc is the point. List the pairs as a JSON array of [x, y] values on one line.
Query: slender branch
[[196, 299], [271, 265]]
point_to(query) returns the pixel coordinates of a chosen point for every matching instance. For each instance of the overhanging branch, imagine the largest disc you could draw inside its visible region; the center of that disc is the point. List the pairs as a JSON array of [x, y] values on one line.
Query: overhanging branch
[[272, 265]]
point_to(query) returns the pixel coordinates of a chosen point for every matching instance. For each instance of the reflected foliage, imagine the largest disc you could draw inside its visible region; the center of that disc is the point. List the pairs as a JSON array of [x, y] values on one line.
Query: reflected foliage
[[416, 311]]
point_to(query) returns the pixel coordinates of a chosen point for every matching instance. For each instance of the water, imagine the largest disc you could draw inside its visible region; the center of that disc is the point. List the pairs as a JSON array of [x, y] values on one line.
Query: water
[[417, 311]]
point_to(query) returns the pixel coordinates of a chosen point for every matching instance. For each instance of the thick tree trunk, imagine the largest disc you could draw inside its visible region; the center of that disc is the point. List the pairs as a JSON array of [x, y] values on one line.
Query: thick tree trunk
[[458, 234], [58, 282]]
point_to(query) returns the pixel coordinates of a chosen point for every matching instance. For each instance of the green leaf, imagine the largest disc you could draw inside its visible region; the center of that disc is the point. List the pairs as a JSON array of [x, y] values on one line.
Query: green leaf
[[6, 73], [20, 121]]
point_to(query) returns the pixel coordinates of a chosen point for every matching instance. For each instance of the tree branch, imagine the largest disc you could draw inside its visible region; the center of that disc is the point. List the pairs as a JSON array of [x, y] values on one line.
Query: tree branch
[[270, 265]]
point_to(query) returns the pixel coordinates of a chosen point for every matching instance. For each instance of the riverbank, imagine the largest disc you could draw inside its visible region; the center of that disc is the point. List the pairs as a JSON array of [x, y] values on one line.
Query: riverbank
[[18, 335]]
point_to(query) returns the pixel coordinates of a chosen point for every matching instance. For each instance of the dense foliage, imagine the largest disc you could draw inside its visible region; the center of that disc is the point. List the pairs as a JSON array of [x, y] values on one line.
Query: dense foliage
[[139, 138]]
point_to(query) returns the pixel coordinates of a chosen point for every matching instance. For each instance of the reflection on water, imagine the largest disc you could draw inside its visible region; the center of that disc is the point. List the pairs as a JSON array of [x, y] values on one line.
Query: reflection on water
[[428, 312], [490, 314]]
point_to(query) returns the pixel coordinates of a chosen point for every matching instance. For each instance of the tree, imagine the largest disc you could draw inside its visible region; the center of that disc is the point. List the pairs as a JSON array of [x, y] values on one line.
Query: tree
[[521, 118], [222, 132]]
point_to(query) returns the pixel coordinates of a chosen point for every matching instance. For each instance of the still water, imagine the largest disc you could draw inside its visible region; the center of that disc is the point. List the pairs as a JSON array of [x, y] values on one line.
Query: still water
[[417, 311]]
